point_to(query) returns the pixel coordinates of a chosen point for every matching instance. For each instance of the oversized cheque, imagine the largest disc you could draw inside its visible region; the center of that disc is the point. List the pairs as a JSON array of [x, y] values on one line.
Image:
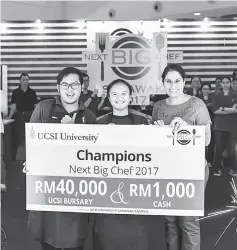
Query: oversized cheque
[[115, 169]]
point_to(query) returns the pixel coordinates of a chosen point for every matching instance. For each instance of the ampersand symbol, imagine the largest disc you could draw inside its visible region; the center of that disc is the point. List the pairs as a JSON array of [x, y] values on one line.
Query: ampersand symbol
[[117, 196]]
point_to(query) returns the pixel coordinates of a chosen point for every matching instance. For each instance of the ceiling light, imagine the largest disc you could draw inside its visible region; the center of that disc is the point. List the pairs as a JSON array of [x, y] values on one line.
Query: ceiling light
[[197, 14]]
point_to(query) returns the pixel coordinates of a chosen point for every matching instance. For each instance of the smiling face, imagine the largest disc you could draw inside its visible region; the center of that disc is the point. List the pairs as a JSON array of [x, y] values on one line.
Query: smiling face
[[225, 83], [174, 84], [206, 90], [70, 89], [196, 83], [119, 96]]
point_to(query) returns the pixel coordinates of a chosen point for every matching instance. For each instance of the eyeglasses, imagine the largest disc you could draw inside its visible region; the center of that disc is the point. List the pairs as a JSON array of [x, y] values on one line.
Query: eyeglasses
[[177, 81], [66, 86]]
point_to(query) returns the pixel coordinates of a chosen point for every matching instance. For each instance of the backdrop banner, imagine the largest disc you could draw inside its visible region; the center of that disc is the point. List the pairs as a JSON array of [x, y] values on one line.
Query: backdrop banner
[[129, 53]]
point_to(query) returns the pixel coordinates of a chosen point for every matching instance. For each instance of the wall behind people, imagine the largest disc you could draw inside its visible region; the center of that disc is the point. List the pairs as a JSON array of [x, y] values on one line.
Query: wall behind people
[[42, 49]]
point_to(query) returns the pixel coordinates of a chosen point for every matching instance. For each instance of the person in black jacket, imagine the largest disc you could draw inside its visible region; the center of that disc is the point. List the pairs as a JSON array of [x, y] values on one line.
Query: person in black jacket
[[62, 230], [120, 232], [206, 95]]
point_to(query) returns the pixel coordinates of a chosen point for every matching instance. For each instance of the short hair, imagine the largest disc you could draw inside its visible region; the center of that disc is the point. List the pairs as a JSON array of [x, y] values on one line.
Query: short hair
[[226, 77], [118, 81], [69, 70], [85, 75], [173, 67], [196, 77], [24, 74], [205, 84]]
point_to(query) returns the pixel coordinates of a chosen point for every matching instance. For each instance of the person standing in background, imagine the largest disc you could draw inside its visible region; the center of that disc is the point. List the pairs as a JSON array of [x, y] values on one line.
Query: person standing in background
[[206, 96], [178, 110], [88, 97], [23, 102], [104, 106], [234, 74], [218, 87], [196, 83], [224, 107], [234, 85]]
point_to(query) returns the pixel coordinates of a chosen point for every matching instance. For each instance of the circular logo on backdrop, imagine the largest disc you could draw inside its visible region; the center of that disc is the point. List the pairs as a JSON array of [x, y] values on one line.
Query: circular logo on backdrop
[[121, 32], [132, 53], [184, 137]]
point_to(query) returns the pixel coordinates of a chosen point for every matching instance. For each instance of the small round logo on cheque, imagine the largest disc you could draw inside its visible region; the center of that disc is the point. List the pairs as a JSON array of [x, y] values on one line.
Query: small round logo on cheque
[[184, 137], [135, 53]]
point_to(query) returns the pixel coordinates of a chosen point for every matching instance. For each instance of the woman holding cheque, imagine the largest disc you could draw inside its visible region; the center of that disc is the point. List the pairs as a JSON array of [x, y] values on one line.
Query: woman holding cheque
[[180, 110], [120, 232]]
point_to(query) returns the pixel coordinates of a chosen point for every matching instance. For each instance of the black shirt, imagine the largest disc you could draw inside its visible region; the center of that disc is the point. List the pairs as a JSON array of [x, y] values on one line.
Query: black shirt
[[51, 110], [94, 102], [24, 100], [130, 119], [84, 97]]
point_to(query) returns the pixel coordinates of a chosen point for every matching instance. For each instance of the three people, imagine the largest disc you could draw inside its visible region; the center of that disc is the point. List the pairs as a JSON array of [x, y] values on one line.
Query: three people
[[117, 232]]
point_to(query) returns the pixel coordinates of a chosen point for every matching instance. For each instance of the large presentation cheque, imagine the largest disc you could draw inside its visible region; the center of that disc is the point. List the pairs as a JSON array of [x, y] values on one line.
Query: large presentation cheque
[[115, 169]]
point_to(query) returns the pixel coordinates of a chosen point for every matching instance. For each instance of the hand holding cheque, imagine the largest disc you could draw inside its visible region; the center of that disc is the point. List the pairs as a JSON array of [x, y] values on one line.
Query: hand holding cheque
[[176, 124]]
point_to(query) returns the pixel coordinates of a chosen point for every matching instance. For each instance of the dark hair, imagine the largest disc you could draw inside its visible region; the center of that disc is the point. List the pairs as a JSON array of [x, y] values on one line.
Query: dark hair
[[218, 78], [118, 81], [24, 74], [235, 73], [205, 84], [196, 77], [227, 77], [69, 70], [85, 75], [173, 67], [234, 79]]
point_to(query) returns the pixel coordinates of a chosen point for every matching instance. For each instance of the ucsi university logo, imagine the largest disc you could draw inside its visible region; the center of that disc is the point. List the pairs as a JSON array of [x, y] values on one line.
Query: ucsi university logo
[[46, 136], [63, 136], [32, 133]]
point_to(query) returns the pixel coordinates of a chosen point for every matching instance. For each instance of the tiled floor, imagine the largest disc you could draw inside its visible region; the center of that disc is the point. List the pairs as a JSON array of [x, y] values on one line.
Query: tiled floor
[[14, 216]]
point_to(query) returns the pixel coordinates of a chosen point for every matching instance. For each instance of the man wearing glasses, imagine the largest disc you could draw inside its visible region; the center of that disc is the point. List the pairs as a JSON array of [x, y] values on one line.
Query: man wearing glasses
[[58, 230]]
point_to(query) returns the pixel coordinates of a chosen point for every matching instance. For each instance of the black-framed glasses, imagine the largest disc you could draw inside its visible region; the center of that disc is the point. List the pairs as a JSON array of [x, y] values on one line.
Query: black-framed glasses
[[74, 86]]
